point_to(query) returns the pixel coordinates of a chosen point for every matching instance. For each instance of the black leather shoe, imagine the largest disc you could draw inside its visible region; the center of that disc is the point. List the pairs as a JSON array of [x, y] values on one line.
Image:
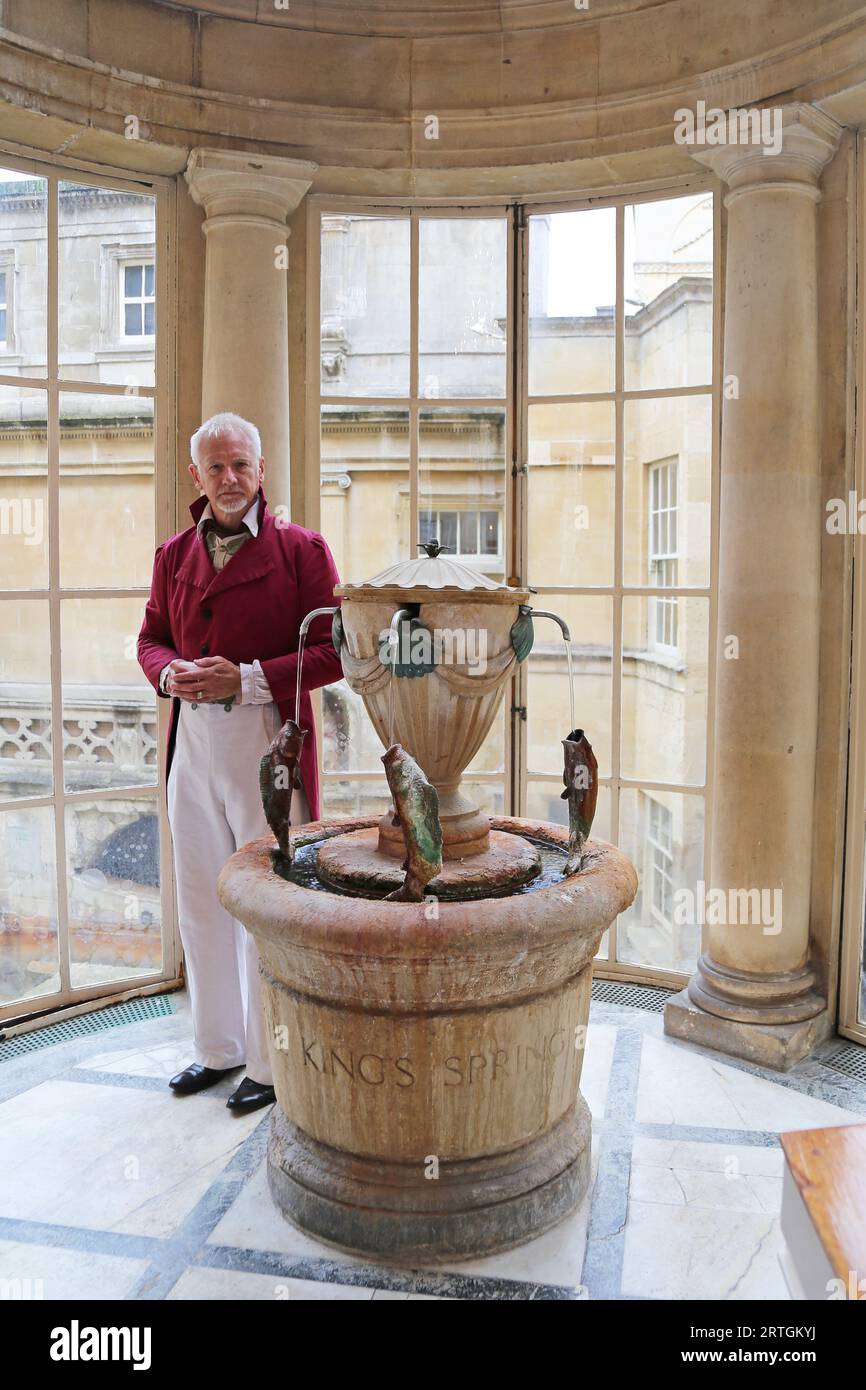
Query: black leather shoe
[[250, 1095], [197, 1078]]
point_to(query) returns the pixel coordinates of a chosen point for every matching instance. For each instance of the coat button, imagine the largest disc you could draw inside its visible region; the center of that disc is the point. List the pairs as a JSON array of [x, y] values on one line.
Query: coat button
[[207, 612], [205, 648]]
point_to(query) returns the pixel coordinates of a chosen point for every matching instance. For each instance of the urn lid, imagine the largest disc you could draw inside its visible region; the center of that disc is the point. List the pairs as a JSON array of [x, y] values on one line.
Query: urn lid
[[434, 570]]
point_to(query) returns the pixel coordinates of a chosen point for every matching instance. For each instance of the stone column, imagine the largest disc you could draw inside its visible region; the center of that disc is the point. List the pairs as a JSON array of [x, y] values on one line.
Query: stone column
[[247, 199], [754, 994]]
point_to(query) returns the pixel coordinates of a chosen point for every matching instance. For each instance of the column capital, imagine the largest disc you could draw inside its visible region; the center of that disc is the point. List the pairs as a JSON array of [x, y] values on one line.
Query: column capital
[[806, 141], [236, 187]]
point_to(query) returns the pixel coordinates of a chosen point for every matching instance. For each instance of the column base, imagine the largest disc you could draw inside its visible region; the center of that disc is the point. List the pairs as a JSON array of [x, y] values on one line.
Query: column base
[[779, 1046]]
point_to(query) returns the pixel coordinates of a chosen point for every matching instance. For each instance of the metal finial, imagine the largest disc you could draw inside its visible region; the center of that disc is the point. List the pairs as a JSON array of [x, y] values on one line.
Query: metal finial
[[433, 548]]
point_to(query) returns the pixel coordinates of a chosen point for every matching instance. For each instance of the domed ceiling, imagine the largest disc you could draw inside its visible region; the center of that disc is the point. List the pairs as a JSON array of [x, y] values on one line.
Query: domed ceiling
[[528, 95]]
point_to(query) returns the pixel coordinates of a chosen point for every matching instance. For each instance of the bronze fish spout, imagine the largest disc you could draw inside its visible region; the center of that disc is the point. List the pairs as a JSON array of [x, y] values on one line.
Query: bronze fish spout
[[581, 791], [278, 775], [417, 806]]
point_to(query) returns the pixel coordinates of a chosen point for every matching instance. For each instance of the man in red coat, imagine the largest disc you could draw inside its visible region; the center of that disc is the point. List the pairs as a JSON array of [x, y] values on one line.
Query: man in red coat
[[220, 639]]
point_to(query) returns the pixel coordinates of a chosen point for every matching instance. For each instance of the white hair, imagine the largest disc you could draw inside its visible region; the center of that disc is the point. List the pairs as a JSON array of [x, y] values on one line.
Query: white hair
[[218, 426]]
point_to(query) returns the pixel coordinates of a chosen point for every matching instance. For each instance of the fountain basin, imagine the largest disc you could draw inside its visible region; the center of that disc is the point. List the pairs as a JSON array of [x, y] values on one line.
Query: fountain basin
[[427, 1056]]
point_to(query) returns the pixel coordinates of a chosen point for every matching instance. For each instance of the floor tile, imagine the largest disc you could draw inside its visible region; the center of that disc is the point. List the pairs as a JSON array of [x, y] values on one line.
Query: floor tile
[[164, 1061], [595, 1076], [683, 1087], [47, 1272], [110, 1158], [695, 1252], [731, 1177]]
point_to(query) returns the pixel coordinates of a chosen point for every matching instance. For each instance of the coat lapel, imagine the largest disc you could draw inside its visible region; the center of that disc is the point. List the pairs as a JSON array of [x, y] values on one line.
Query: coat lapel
[[252, 561]]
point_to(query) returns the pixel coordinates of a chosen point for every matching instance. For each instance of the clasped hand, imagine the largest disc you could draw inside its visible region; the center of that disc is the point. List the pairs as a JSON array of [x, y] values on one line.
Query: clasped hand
[[209, 678]]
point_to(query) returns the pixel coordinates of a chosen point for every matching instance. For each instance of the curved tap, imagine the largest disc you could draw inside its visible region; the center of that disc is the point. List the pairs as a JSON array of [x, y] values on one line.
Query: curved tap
[[302, 637]]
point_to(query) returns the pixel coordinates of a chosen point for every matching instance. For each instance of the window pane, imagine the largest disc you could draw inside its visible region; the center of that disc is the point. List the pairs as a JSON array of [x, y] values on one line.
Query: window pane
[[149, 319], [544, 802], [572, 299], [461, 470], [489, 797], [351, 798], [365, 488], [23, 488], [29, 958], [570, 492], [115, 916], [491, 755], [462, 306], [490, 532], [669, 293], [149, 278], [668, 489], [102, 230], [448, 531], [25, 699], [349, 743], [24, 258], [109, 709], [664, 692], [365, 306], [590, 622], [106, 491], [663, 835], [468, 533]]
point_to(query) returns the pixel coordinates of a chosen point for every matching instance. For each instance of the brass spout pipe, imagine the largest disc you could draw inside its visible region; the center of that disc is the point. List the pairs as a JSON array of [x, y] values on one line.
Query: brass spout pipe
[[393, 643], [566, 636], [544, 613], [316, 613]]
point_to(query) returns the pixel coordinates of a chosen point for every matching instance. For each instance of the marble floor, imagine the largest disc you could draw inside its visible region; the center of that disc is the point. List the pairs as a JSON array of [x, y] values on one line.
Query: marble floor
[[113, 1188]]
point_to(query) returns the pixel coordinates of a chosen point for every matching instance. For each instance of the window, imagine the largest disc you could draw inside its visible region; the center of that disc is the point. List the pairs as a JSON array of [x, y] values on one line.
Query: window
[[84, 909], [412, 398], [571, 447], [138, 301], [466, 535], [660, 863], [4, 308], [663, 552]]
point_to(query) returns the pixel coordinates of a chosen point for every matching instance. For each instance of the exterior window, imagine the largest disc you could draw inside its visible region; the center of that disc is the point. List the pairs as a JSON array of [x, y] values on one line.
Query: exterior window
[[84, 911], [139, 303], [663, 552], [572, 449], [464, 534], [659, 836]]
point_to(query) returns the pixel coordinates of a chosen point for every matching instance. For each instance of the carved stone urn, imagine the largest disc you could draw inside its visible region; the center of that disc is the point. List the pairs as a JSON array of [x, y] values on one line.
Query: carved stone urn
[[427, 1054]]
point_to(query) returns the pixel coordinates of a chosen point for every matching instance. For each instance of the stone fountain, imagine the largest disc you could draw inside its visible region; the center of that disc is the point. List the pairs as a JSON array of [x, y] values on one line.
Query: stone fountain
[[427, 974]]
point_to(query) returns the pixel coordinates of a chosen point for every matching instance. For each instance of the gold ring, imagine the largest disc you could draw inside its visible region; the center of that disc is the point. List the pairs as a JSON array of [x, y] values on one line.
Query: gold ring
[[199, 695]]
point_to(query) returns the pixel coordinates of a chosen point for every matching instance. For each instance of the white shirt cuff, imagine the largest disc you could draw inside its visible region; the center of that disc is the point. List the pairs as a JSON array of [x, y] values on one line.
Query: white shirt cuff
[[162, 677], [254, 686]]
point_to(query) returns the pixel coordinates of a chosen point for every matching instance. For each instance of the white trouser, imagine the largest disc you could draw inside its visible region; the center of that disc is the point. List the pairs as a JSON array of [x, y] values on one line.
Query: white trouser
[[214, 807]]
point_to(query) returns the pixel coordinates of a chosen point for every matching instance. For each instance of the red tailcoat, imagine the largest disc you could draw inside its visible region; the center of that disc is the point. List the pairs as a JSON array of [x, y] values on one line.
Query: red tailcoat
[[249, 611]]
